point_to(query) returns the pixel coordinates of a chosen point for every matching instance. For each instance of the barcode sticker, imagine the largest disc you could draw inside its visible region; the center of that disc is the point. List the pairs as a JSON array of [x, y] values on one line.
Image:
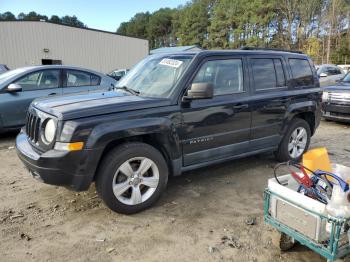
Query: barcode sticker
[[171, 62]]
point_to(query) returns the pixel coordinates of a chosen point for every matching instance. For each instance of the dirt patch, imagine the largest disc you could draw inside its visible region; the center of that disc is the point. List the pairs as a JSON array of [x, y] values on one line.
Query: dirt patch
[[209, 214]]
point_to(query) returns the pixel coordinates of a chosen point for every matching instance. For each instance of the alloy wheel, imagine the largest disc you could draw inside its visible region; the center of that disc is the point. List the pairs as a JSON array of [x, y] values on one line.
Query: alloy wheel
[[297, 142], [135, 181]]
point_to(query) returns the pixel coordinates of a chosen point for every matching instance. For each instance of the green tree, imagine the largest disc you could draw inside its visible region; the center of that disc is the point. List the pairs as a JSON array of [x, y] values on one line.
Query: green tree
[[123, 28], [321, 28], [55, 19], [67, 20], [72, 21], [220, 28], [32, 16], [160, 28], [7, 16], [193, 22]]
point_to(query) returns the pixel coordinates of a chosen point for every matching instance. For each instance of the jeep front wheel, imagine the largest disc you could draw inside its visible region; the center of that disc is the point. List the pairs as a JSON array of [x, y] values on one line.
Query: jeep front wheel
[[295, 142], [132, 177]]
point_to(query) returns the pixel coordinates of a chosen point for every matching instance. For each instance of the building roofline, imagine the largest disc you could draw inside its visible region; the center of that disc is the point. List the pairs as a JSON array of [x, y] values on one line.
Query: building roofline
[[84, 28]]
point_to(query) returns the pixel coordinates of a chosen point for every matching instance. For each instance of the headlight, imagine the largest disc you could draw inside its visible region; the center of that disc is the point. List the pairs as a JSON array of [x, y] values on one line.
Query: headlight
[[50, 130], [325, 96]]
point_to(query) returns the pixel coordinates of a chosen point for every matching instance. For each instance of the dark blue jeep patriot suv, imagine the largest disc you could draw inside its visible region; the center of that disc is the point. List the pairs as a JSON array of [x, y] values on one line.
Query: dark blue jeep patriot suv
[[172, 113]]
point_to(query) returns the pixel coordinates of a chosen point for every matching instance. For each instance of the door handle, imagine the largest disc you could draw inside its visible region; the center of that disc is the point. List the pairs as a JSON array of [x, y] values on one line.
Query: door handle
[[240, 106], [52, 94]]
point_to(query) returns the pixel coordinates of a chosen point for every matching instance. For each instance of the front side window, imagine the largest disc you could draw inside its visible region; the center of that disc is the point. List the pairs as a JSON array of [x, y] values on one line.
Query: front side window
[[301, 71], [267, 73], [44, 79], [76, 78], [225, 75], [156, 76]]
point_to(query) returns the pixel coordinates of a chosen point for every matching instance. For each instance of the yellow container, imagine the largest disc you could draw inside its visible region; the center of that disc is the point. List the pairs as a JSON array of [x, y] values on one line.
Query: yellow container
[[317, 159]]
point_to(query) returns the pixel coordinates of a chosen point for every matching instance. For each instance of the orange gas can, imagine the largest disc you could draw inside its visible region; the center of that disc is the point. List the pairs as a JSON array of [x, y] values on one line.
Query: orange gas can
[[317, 159]]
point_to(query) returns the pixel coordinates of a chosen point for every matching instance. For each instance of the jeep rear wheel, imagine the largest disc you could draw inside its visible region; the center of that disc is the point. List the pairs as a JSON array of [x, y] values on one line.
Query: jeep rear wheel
[[295, 142], [132, 177]]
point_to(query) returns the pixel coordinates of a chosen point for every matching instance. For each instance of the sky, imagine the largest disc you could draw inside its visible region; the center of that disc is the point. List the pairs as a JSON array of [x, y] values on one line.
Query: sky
[[102, 14]]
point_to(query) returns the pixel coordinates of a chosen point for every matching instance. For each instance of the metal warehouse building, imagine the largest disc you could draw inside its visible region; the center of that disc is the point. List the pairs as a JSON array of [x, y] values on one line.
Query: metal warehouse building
[[25, 43]]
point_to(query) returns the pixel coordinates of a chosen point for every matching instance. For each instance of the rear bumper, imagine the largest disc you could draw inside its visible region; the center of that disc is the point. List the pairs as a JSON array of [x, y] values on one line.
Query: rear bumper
[[74, 170], [337, 112]]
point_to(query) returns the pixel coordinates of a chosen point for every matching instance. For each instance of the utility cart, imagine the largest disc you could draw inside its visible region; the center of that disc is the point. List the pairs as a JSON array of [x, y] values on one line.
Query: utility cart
[[311, 227]]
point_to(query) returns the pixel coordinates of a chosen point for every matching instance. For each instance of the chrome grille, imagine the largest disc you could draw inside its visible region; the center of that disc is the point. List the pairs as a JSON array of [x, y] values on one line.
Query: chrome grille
[[339, 97], [33, 127]]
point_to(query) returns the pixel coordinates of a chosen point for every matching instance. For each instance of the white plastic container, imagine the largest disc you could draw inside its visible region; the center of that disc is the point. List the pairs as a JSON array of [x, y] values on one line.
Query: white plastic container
[[339, 205], [297, 216]]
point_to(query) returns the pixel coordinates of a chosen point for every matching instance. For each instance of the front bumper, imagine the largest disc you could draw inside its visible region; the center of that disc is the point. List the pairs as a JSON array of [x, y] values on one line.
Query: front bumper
[[74, 170], [337, 112]]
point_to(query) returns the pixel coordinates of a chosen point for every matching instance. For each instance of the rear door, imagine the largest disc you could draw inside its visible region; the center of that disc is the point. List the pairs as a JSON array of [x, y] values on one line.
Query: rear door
[[269, 100], [36, 84], [75, 81]]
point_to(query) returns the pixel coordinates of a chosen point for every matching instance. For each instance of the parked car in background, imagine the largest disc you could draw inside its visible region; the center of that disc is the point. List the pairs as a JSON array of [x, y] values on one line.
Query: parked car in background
[[118, 73], [173, 112], [346, 68], [329, 74], [19, 87], [336, 101], [3, 68]]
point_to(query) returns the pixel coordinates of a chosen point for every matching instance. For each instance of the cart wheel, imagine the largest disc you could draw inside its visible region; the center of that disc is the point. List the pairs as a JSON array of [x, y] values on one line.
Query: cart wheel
[[282, 241], [286, 242]]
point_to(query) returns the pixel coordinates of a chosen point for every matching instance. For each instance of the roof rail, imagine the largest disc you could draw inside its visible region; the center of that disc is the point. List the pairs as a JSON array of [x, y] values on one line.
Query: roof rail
[[269, 49]]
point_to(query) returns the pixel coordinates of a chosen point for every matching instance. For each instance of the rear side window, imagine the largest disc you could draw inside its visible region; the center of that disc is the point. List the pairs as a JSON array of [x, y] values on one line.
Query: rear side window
[[267, 73], [76, 78], [95, 80], [301, 71]]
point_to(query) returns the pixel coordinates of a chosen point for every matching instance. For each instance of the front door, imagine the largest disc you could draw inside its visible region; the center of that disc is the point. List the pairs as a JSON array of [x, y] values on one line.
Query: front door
[[217, 128], [36, 84]]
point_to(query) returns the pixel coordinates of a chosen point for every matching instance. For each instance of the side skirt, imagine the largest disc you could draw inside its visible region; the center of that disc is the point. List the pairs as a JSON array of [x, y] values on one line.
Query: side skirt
[[178, 171]]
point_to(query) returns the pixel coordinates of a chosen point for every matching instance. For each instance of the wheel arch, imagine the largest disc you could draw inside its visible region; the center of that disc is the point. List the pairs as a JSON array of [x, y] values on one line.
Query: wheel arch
[[163, 137], [303, 110]]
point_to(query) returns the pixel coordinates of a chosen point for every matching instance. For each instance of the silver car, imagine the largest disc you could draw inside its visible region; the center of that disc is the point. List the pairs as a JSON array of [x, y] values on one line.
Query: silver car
[[329, 74], [19, 87]]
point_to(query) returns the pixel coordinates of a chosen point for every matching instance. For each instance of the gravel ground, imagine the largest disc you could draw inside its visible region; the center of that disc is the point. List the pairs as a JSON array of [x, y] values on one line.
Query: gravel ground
[[202, 216]]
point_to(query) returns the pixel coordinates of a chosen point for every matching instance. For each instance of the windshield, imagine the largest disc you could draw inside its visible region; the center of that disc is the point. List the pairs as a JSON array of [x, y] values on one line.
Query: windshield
[[156, 76], [346, 78], [4, 76]]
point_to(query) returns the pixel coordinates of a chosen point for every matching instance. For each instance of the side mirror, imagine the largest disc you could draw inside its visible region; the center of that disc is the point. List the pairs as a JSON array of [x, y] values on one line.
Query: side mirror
[[323, 75], [14, 88], [200, 91]]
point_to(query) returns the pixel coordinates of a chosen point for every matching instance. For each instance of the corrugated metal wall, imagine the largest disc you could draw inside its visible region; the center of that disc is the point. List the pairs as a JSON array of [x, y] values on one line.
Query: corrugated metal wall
[[23, 43]]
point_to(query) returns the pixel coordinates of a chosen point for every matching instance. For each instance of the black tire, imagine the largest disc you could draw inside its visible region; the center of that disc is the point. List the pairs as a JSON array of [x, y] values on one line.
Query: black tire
[[282, 241], [109, 166], [282, 154]]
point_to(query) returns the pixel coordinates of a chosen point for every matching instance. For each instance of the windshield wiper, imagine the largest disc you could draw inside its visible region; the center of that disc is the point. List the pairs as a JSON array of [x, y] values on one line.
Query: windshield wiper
[[130, 90]]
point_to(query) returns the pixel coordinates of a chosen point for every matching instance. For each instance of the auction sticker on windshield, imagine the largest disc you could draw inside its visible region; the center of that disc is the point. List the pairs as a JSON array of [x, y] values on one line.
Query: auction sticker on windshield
[[171, 62]]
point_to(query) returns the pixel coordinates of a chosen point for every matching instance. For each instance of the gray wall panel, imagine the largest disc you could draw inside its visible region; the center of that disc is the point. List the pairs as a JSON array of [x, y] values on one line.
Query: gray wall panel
[[22, 44]]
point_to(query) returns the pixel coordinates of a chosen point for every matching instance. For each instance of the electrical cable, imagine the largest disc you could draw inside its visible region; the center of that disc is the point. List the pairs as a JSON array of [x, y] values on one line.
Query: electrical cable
[[322, 177]]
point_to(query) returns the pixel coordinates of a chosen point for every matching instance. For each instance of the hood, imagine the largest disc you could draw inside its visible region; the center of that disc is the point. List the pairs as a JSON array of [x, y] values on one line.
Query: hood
[[68, 107], [339, 87]]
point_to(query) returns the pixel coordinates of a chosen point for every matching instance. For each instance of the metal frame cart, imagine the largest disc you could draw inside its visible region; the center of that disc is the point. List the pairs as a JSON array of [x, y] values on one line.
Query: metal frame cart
[[336, 245]]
